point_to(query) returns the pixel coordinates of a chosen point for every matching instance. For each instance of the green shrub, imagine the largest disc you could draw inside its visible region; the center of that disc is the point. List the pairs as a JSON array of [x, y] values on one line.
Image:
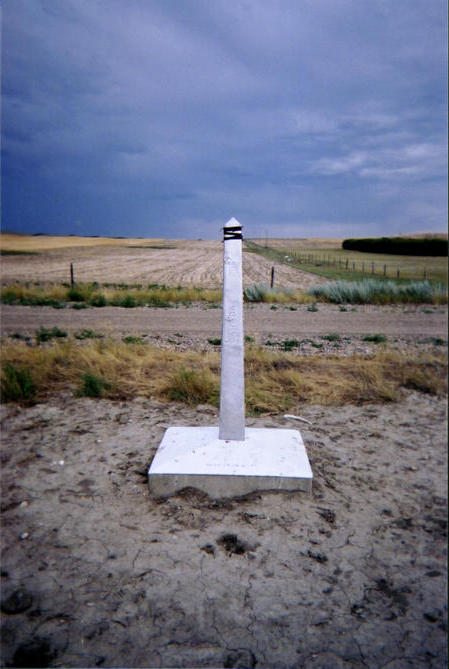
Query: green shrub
[[92, 385], [17, 384], [256, 293], [312, 307], [379, 292], [98, 300], [333, 336], [45, 334], [289, 344], [129, 301], [129, 339], [79, 305], [375, 338], [156, 301], [87, 334], [75, 295], [215, 342]]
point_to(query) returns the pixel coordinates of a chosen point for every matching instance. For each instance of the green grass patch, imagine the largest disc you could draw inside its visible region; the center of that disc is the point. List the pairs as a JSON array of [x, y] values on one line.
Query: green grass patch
[[86, 333], [333, 336], [130, 339], [373, 291], [92, 385], [333, 262], [375, 338], [46, 334], [17, 384]]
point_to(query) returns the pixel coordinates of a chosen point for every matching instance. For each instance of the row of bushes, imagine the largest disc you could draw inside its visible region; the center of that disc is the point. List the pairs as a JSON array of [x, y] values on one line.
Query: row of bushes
[[368, 291], [402, 246], [374, 291]]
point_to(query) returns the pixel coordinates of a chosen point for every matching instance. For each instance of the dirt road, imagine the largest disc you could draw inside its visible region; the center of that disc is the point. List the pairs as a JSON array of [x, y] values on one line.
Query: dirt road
[[260, 321]]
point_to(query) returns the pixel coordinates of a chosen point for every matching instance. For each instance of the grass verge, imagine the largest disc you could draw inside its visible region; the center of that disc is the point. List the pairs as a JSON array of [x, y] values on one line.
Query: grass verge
[[118, 295], [375, 291], [275, 381]]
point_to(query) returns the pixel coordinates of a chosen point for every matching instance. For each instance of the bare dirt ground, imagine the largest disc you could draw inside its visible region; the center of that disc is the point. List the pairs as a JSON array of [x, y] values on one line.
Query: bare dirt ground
[[96, 572], [197, 263]]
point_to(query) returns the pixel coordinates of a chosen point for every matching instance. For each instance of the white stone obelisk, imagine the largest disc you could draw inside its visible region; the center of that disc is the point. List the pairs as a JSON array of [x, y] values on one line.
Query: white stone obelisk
[[232, 388], [228, 460]]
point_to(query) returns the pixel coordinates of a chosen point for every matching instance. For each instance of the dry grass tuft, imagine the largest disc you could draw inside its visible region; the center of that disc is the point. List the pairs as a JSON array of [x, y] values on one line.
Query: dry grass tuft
[[274, 381]]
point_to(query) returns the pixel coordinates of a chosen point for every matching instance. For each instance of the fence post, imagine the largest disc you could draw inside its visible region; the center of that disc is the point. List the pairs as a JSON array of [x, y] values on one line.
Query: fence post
[[385, 270], [72, 278], [353, 266], [425, 274], [397, 273], [272, 278], [372, 268]]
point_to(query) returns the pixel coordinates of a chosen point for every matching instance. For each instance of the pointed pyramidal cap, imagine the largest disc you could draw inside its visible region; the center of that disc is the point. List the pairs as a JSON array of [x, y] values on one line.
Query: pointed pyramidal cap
[[232, 223], [232, 230]]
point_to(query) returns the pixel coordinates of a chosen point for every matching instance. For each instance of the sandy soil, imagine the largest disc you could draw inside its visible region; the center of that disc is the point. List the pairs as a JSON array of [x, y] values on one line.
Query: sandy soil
[[97, 572], [182, 263]]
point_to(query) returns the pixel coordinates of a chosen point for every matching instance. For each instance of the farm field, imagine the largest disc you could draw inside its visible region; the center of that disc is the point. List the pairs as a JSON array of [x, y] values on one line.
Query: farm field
[[98, 572], [170, 262], [325, 257]]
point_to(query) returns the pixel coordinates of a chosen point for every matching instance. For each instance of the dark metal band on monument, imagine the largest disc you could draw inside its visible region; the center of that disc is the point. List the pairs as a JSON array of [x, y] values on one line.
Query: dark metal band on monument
[[234, 232]]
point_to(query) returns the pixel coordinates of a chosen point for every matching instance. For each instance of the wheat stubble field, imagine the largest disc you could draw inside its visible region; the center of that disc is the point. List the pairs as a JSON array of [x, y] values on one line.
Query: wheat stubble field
[[96, 572], [170, 262]]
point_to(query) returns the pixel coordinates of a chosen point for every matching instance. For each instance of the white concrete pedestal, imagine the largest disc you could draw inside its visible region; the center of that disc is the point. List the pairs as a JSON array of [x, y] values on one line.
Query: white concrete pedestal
[[268, 459]]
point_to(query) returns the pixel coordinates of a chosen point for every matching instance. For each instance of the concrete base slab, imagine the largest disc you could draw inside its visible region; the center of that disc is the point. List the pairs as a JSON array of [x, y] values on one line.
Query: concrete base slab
[[267, 459]]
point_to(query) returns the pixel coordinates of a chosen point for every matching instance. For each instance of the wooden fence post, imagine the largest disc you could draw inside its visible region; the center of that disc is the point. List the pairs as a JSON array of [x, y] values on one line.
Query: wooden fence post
[[72, 277], [397, 274], [372, 268], [272, 278], [385, 270]]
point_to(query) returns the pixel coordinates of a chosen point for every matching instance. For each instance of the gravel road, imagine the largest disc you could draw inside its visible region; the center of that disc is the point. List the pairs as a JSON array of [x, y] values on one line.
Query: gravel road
[[259, 320]]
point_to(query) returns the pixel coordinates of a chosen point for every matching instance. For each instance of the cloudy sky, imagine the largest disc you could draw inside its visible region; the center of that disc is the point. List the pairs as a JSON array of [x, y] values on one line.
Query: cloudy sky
[[167, 117]]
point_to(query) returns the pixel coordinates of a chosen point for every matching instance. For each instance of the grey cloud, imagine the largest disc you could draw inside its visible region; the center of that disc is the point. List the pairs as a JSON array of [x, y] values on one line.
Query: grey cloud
[[187, 109]]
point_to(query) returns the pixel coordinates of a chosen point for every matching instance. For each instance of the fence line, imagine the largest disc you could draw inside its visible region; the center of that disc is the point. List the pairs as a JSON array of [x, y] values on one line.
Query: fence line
[[369, 269]]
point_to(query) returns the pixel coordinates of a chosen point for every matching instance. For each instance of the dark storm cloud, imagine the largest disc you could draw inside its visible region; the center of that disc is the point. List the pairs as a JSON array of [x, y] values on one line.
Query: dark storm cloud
[[300, 117]]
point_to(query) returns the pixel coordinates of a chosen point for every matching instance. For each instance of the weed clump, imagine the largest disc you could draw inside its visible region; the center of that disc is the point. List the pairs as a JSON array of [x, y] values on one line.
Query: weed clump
[[17, 384], [86, 333], [192, 387], [130, 339], [46, 334], [98, 300], [375, 338], [92, 385]]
